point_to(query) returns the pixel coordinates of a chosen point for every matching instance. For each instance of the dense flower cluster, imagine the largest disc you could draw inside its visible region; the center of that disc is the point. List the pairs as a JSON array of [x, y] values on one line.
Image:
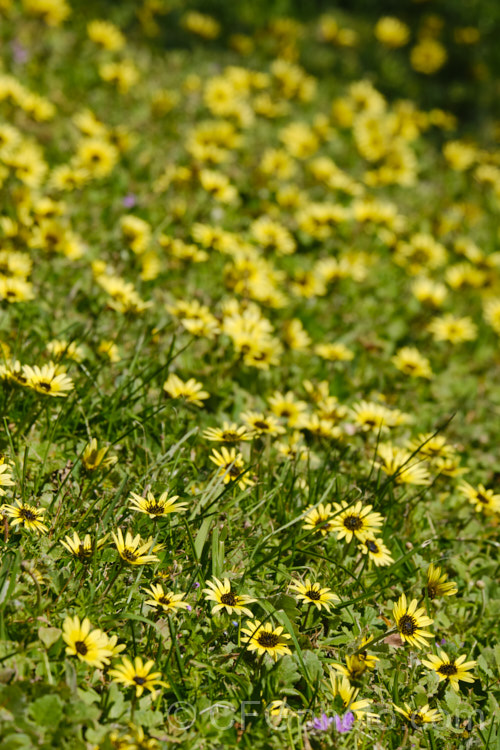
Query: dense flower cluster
[[267, 306]]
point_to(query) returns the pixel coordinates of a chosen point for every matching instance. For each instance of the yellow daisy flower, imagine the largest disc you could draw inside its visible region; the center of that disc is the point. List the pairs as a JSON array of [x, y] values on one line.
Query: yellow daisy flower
[[6, 479], [94, 458], [452, 329], [410, 621], [392, 32], [28, 516], [452, 670], [312, 593], [259, 424], [357, 663], [376, 551], [483, 499], [137, 675], [166, 601], [157, 507], [355, 520], [340, 685], [106, 35], [319, 519], [287, 407], [370, 416], [231, 466], [50, 379], [225, 598], [132, 550], [191, 391], [264, 639], [437, 584], [401, 466], [230, 432], [409, 361], [419, 716], [90, 646], [84, 548]]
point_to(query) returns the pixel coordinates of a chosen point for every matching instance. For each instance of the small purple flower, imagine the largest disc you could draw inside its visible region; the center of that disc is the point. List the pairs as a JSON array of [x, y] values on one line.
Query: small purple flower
[[189, 608], [234, 622], [129, 200], [196, 585], [19, 52], [344, 723], [320, 724]]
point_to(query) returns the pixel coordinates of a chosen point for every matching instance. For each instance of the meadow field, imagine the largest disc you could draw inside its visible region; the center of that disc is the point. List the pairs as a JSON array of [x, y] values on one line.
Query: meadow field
[[249, 365]]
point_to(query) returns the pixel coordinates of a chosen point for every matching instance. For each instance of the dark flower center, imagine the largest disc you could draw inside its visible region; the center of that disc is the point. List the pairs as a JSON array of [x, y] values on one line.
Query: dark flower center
[[27, 515], [447, 669], [314, 595], [268, 640], [432, 450], [127, 554], [372, 546], [407, 625], [482, 498], [229, 599], [419, 256], [83, 552], [81, 648], [260, 425], [164, 599], [229, 435], [46, 386], [234, 471], [432, 591], [416, 718], [155, 509], [353, 523], [323, 523], [139, 680]]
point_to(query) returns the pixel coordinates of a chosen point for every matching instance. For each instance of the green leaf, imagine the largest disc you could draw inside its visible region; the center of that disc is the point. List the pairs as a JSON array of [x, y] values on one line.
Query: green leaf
[[13, 699], [82, 713], [217, 554], [288, 604], [49, 636], [282, 617], [314, 665], [17, 742], [452, 700], [117, 702], [149, 718], [286, 672], [201, 537], [47, 711]]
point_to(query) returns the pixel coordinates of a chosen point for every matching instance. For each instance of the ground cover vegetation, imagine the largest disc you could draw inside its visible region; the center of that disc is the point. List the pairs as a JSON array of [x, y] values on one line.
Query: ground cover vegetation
[[249, 363]]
